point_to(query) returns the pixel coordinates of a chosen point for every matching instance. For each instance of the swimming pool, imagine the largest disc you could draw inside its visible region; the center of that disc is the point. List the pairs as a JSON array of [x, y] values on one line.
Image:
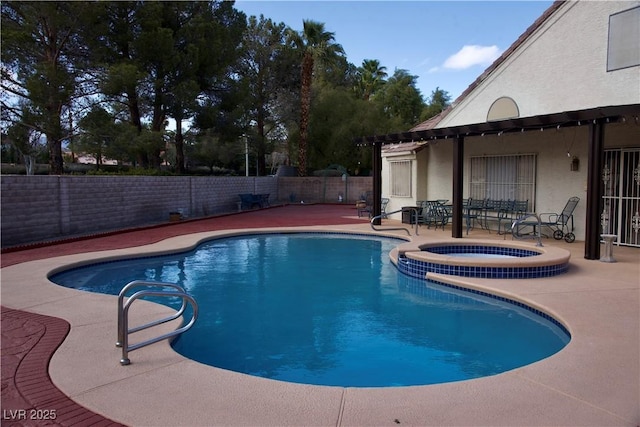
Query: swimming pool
[[332, 309]]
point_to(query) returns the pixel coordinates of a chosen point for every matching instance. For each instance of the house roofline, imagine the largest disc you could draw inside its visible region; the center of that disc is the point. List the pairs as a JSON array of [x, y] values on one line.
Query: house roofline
[[564, 119], [433, 121]]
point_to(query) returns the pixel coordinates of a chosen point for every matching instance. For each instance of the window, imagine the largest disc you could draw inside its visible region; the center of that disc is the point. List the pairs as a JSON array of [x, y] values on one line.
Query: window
[[400, 178], [503, 108], [624, 39], [510, 177]]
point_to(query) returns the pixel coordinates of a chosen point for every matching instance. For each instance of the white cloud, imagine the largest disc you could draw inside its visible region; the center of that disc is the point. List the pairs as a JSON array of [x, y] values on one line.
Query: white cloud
[[471, 55], [433, 70]]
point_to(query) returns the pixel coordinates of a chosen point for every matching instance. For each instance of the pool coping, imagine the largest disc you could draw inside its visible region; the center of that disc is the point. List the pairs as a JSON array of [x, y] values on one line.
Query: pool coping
[[559, 390], [546, 255]]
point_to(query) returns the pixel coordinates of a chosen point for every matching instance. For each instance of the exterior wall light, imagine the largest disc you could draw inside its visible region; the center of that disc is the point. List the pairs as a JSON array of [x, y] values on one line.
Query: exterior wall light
[[575, 164]]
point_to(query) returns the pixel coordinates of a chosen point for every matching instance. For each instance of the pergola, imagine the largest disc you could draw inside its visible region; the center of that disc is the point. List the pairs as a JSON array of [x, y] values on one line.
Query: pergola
[[596, 118]]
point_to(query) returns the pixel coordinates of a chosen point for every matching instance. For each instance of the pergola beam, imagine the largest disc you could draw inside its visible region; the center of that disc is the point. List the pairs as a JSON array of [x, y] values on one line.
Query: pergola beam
[[596, 118], [563, 119]]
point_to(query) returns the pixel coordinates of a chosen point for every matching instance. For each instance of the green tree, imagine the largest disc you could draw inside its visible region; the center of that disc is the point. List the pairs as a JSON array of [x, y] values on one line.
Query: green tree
[[159, 58], [28, 142], [265, 74], [401, 99], [316, 45], [333, 128], [120, 74], [213, 152], [206, 41], [41, 61], [371, 78], [97, 133], [438, 102]]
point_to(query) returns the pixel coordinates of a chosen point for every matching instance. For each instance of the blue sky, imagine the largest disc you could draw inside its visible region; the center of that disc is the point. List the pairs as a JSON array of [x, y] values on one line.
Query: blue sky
[[447, 44]]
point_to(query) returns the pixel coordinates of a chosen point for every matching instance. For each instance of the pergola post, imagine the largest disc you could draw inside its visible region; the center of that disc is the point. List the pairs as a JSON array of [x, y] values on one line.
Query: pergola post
[[594, 190], [377, 182], [458, 168]]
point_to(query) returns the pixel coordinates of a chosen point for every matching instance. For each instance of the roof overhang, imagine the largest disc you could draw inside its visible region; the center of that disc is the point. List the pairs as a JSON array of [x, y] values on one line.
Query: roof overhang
[[404, 149], [609, 114]]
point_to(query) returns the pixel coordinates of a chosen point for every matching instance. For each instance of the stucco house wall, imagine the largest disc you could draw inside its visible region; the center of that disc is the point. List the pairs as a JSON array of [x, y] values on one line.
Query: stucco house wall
[[562, 66], [554, 178], [397, 202]]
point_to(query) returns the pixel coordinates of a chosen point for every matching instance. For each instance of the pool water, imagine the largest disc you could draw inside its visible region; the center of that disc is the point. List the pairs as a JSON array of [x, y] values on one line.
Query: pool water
[[331, 309], [479, 255]]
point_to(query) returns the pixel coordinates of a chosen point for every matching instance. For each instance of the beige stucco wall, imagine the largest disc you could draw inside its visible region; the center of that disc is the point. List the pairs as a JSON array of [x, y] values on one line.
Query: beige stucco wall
[[395, 202], [555, 182], [561, 67]]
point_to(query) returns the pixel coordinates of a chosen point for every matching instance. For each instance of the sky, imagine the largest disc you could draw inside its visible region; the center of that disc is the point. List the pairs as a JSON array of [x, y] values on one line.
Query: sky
[[446, 44]]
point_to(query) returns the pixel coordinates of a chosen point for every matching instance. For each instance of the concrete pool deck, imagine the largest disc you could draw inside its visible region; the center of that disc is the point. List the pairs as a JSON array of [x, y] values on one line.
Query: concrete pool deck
[[595, 380]]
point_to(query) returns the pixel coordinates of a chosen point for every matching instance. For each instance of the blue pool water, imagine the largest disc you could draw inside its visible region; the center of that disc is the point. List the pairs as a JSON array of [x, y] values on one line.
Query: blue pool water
[[332, 310], [478, 255]]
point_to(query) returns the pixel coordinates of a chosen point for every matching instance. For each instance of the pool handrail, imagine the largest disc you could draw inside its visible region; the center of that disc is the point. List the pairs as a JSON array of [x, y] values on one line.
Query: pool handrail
[[148, 284], [414, 212], [123, 315]]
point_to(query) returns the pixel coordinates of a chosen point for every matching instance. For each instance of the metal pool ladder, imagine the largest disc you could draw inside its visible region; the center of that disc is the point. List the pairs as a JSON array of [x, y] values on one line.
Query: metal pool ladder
[[167, 290]]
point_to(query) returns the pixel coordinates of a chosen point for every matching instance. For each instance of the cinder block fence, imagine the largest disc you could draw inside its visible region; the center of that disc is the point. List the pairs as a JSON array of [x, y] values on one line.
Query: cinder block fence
[[43, 207]]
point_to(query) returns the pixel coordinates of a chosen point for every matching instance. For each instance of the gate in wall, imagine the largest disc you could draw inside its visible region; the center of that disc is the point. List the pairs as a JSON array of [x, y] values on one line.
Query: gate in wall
[[621, 179]]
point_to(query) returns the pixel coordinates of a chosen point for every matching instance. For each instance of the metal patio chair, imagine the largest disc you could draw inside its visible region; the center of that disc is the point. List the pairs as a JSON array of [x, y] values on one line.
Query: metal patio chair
[[561, 223], [383, 207], [432, 212]]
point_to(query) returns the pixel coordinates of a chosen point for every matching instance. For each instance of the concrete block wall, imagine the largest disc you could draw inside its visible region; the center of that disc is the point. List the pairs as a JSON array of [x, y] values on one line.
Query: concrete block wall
[[323, 189], [29, 208], [214, 195], [97, 203], [38, 208]]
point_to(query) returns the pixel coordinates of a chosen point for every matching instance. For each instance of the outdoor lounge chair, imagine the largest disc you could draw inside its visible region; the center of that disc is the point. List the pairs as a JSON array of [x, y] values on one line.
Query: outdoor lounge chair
[[561, 223]]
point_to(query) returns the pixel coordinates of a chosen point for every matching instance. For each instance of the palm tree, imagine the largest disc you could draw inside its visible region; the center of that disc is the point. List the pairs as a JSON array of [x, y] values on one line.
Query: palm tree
[[316, 44], [371, 78]]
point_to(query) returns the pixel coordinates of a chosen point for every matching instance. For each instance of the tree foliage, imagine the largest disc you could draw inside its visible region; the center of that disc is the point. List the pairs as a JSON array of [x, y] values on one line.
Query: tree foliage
[[401, 99], [265, 74], [107, 78], [42, 46], [371, 78], [98, 133], [318, 48], [438, 102]]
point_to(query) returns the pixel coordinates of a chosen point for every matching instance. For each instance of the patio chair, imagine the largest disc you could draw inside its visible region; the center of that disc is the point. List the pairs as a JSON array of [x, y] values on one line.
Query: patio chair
[[432, 212], [473, 212], [365, 203], [247, 201], [369, 206], [560, 223], [383, 207]]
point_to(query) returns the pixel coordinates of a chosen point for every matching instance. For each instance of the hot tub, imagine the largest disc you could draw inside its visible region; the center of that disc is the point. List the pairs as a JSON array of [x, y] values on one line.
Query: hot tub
[[478, 258]]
